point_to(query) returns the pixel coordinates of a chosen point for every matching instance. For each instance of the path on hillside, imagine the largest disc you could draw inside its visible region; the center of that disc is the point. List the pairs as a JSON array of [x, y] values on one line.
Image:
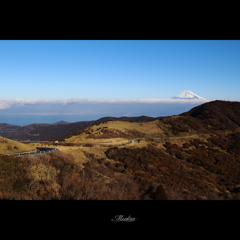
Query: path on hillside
[[41, 150], [104, 145], [138, 140]]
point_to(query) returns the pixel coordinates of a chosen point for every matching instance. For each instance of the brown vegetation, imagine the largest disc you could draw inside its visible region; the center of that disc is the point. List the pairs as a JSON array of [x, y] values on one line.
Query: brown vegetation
[[8, 146], [217, 115], [206, 167], [55, 176]]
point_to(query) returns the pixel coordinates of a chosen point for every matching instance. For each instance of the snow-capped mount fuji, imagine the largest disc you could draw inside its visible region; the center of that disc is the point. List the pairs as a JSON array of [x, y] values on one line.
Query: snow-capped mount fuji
[[186, 94]]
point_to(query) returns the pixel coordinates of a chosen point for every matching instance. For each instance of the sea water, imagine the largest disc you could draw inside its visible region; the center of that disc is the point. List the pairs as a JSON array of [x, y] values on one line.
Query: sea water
[[23, 120]]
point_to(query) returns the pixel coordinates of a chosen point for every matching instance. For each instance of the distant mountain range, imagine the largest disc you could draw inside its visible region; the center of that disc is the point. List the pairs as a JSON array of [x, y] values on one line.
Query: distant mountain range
[[61, 122]]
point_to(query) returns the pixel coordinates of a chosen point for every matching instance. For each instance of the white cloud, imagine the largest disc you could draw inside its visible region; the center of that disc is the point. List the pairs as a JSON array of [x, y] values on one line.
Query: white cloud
[[5, 103], [180, 101], [153, 100]]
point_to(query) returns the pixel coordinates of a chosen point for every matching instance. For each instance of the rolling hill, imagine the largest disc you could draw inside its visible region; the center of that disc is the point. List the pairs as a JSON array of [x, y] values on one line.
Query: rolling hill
[[218, 114], [195, 155], [191, 156], [8, 146]]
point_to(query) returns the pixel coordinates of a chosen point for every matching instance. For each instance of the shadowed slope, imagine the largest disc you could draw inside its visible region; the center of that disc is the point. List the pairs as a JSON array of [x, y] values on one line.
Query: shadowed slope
[[222, 114]]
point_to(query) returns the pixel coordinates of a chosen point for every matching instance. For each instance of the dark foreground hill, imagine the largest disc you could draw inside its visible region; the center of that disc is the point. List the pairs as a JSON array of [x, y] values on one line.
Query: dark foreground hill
[[218, 114]]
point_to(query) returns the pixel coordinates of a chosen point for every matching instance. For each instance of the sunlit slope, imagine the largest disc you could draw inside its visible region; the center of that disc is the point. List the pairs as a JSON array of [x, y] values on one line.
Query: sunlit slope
[[8, 146], [116, 132]]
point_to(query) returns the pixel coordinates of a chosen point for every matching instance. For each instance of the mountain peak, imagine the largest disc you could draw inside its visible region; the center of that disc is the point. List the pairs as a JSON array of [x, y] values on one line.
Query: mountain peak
[[186, 94]]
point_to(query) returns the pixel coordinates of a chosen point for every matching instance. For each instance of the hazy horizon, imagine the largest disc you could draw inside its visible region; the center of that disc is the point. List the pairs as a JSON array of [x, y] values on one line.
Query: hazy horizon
[[21, 119]]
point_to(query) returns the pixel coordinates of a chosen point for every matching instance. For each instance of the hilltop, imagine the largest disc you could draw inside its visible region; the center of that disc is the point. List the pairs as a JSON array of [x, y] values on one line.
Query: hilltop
[[218, 114], [8, 146], [115, 131]]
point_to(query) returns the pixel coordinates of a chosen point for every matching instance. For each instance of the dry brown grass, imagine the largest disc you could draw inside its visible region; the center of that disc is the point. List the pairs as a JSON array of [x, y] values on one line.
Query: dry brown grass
[[56, 176], [147, 127], [42, 172], [146, 131], [78, 152], [8, 146], [130, 129]]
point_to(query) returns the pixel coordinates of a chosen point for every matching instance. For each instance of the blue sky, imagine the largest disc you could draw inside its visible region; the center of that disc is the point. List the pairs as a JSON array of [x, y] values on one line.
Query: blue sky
[[104, 70]]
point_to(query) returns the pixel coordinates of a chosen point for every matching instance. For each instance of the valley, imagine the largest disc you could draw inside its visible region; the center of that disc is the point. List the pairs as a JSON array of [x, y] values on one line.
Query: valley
[[45, 132]]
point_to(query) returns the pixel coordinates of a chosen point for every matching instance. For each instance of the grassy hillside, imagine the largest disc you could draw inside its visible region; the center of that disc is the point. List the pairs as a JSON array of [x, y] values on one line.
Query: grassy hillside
[[8, 146], [151, 170], [114, 132], [195, 155]]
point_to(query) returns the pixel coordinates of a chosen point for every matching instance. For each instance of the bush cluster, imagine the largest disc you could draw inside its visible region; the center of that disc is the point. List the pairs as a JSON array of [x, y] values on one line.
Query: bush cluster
[[218, 142], [56, 176]]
